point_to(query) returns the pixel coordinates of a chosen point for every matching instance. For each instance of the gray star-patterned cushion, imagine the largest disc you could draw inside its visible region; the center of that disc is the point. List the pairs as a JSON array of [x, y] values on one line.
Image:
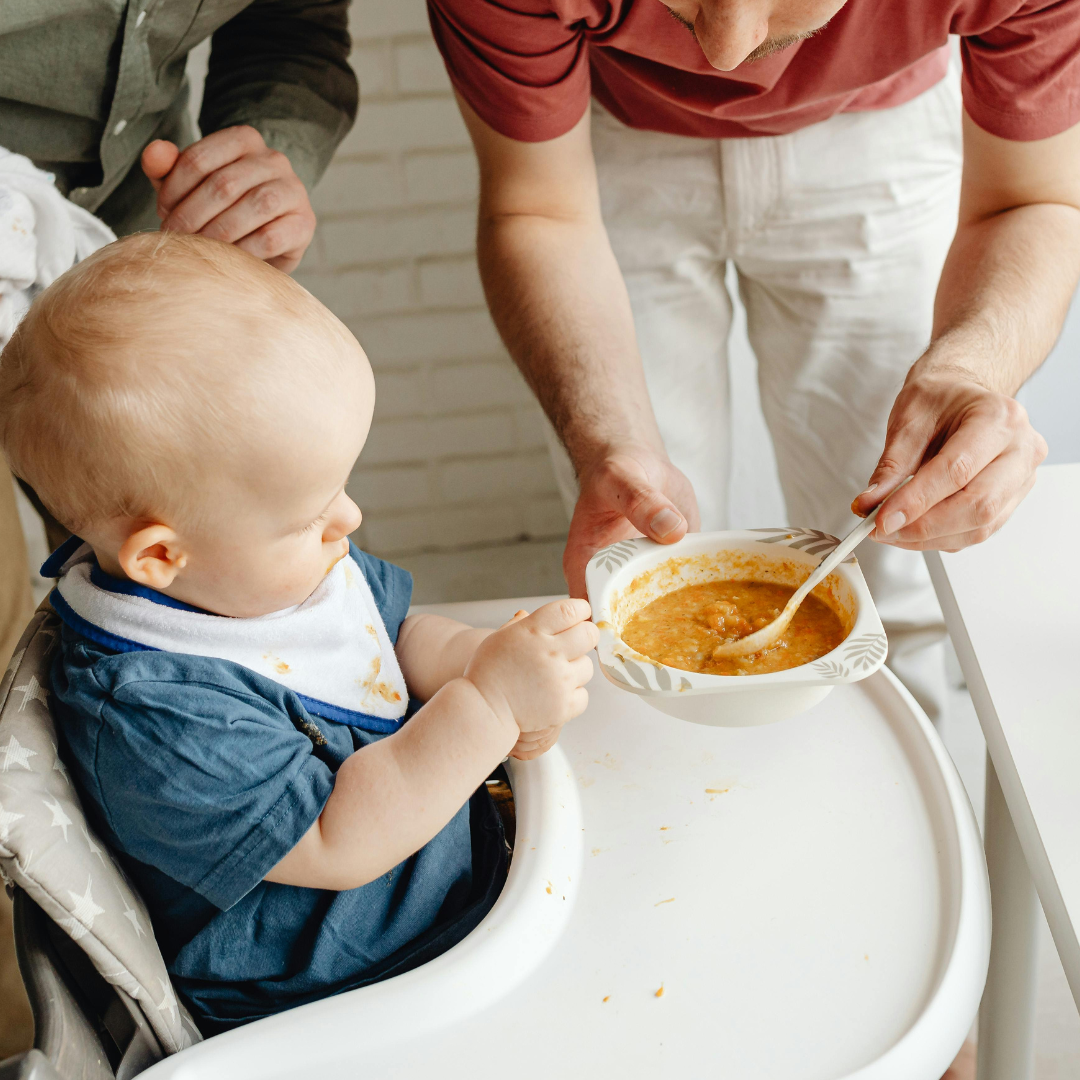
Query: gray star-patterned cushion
[[47, 848]]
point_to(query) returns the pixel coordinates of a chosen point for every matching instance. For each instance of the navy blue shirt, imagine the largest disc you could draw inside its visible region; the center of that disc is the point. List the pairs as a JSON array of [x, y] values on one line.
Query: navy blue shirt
[[202, 775]]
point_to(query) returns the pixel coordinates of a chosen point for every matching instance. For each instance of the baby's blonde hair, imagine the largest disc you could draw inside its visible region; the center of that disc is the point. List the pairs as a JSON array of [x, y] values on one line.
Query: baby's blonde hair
[[147, 366]]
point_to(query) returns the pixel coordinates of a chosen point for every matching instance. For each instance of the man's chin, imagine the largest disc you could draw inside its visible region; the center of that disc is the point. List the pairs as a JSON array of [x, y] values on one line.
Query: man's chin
[[778, 44]]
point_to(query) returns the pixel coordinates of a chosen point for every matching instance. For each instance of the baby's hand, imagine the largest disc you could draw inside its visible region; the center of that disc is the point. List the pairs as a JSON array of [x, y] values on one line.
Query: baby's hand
[[534, 669], [534, 743]]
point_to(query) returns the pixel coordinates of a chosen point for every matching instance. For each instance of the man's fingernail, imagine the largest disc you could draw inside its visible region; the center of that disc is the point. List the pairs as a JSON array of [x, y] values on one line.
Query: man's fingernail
[[892, 522], [664, 522], [866, 492]]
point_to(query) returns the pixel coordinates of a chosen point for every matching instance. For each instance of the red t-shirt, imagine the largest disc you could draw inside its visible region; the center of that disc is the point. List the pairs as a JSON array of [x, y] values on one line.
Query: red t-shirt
[[528, 66]]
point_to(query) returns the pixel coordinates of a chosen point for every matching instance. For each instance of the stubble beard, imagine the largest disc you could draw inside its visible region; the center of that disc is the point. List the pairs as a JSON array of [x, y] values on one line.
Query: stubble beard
[[766, 48], [778, 44]]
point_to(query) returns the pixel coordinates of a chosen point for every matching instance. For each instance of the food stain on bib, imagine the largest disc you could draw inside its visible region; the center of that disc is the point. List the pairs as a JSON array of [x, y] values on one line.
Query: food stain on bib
[[373, 685], [278, 665]]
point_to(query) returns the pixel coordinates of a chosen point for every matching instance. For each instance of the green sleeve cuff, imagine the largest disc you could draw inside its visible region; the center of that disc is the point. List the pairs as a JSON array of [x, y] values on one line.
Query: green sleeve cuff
[[290, 118]]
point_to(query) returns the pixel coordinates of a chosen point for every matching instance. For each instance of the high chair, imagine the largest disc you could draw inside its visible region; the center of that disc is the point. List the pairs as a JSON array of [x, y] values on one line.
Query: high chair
[[103, 1004]]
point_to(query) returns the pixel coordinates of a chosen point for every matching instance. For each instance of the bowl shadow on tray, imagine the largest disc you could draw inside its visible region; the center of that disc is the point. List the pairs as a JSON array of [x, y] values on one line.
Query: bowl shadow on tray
[[623, 578]]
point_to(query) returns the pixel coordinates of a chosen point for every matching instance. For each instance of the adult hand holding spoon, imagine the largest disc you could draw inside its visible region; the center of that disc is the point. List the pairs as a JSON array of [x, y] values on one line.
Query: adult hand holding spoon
[[770, 634]]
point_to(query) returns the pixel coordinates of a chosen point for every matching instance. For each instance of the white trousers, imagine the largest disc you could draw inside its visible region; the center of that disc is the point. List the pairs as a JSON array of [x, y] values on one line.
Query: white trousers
[[837, 234]]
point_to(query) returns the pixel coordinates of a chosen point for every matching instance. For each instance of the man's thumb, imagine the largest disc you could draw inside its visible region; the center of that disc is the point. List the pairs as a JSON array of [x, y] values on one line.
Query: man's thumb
[[158, 159], [885, 479], [647, 508], [656, 517]]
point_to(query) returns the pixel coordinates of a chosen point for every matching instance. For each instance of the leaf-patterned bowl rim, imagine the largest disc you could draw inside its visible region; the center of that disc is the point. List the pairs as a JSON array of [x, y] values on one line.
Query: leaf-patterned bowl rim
[[860, 654]]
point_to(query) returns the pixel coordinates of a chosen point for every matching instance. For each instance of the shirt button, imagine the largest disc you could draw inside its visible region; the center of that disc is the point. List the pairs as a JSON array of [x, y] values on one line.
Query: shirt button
[[120, 125], [139, 20]]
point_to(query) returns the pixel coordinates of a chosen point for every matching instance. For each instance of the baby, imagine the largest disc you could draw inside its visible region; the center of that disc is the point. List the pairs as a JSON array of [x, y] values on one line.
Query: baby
[[238, 689]]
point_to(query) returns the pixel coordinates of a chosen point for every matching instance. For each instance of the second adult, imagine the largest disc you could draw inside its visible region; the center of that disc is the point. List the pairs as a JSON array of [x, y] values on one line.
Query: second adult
[[95, 92]]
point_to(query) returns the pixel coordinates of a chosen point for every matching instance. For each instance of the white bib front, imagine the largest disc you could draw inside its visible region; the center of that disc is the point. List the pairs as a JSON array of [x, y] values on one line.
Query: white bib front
[[332, 650]]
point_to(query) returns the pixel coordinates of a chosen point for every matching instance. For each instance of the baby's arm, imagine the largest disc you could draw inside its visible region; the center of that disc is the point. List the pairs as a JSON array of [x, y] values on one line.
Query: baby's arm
[[392, 797], [432, 650]]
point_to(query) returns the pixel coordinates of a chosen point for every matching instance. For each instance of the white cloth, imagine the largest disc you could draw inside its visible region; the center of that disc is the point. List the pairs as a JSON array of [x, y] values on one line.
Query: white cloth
[[838, 233], [332, 650], [42, 234]]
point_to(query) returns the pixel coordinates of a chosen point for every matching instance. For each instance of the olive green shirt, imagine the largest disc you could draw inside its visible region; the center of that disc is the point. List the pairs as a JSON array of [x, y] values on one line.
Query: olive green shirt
[[86, 84]]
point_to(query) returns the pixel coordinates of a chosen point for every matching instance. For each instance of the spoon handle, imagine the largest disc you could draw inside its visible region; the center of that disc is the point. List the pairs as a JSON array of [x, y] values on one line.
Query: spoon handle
[[837, 555], [769, 634]]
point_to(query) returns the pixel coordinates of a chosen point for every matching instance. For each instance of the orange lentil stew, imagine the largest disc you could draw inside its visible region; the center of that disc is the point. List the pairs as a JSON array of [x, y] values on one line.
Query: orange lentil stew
[[683, 628]]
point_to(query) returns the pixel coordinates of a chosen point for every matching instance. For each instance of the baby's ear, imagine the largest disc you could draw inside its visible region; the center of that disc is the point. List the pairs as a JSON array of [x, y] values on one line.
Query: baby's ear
[[153, 556]]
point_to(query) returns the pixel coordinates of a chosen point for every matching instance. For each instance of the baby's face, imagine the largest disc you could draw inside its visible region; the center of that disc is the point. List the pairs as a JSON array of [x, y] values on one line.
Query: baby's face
[[275, 518], [287, 524], [271, 561]]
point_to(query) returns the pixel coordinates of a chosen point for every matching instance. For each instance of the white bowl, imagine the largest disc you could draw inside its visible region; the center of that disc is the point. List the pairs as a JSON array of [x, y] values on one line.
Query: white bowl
[[625, 576]]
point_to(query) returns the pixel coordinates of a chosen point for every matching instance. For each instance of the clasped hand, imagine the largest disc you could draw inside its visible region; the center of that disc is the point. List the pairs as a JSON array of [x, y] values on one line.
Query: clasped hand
[[231, 186]]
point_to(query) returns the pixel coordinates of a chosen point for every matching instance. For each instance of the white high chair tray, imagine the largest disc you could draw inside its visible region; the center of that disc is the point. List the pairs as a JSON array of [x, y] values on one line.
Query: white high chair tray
[[811, 896]]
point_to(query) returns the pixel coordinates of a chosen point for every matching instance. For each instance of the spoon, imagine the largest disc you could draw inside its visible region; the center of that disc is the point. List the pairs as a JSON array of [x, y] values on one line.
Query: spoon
[[770, 634]]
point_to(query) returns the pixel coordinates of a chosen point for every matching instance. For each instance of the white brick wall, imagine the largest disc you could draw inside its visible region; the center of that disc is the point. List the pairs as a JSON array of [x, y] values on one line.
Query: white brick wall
[[456, 461]]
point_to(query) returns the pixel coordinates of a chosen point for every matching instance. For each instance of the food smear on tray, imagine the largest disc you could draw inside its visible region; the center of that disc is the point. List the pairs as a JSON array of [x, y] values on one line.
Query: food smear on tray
[[683, 628]]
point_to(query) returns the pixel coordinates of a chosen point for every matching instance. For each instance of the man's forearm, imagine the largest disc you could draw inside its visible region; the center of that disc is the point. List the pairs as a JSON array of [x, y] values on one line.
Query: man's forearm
[[559, 301], [1004, 293]]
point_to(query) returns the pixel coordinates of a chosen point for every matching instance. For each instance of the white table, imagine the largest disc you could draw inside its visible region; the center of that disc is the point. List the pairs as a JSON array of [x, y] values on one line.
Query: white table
[[1012, 606]]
